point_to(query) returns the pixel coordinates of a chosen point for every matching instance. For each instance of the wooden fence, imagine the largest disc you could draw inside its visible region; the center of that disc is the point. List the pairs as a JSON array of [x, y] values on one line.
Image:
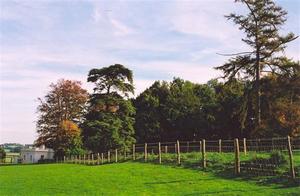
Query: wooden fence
[[246, 155]]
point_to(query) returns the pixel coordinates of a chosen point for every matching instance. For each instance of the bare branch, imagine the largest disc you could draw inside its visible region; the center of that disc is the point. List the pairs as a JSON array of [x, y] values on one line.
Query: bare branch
[[235, 54]]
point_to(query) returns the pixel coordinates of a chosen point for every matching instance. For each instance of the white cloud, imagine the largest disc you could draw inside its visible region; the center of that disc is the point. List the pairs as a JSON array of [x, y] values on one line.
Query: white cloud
[[204, 18], [120, 28]]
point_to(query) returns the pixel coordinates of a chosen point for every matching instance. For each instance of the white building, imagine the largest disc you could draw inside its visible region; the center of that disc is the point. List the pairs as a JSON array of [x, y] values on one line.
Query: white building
[[31, 154]]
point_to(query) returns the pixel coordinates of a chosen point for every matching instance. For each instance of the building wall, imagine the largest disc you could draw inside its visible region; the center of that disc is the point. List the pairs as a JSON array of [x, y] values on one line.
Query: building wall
[[31, 156]]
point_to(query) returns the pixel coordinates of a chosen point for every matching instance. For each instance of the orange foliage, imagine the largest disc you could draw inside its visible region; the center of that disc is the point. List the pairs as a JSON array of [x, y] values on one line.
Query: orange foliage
[[69, 129]]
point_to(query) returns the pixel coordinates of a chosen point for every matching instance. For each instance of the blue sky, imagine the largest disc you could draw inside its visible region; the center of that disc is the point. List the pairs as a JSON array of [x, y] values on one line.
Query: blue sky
[[42, 41]]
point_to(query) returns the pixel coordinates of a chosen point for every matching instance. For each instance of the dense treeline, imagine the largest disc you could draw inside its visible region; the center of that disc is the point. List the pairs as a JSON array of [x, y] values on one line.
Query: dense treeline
[[186, 111], [166, 111]]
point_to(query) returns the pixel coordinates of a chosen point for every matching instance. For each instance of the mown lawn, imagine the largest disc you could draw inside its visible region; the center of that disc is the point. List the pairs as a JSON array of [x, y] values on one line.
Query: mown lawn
[[125, 179]]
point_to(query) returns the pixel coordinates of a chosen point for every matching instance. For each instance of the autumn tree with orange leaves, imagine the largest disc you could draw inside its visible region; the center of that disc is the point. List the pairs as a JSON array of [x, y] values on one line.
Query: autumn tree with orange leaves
[[60, 112]]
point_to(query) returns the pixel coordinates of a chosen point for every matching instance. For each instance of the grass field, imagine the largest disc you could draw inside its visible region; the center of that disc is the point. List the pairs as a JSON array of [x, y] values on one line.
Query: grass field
[[126, 179]]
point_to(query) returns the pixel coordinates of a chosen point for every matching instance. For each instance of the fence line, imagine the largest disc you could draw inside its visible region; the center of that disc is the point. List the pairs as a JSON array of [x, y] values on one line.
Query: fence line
[[258, 156]]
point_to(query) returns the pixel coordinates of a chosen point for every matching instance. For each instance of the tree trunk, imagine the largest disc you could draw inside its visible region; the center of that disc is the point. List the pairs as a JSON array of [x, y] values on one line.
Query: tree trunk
[[258, 89]]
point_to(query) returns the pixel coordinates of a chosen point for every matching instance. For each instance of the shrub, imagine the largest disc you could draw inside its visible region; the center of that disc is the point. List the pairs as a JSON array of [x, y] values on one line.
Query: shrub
[[278, 157], [46, 161]]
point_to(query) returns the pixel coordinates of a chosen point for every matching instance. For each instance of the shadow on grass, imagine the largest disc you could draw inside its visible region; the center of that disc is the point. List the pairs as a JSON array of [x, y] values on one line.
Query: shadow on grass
[[226, 171], [181, 181]]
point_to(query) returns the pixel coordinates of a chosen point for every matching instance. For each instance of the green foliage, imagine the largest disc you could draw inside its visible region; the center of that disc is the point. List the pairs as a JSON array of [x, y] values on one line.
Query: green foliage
[[115, 77], [110, 118], [278, 157], [281, 98], [261, 26], [60, 112], [187, 111], [2, 153], [149, 122]]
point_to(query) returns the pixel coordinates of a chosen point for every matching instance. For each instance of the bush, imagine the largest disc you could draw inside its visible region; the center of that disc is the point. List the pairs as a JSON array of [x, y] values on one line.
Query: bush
[[2, 153], [278, 157]]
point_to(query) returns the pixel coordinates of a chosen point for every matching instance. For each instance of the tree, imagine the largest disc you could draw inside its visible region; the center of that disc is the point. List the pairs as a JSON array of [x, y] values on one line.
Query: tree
[[150, 124], [69, 138], [110, 118], [261, 26], [62, 107], [183, 110], [228, 111], [115, 78], [175, 110], [2, 153], [282, 101]]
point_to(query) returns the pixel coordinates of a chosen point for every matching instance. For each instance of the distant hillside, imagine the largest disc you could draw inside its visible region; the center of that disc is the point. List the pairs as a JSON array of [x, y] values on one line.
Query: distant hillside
[[12, 147]]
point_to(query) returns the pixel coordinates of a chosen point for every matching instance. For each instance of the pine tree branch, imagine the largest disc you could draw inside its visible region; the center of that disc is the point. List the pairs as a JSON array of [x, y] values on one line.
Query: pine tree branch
[[280, 44], [234, 54]]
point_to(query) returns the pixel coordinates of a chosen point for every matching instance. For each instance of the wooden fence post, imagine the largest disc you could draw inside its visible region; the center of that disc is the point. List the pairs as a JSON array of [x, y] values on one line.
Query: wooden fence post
[[237, 156], [159, 153], [116, 155], [245, 146], [133, 151], [178, 152], [200, 145], [203, 154], [84, 159], [64, 159], [93, 159], [108, 156], [102, 158], [220, 145], [145, 153], [166, 149], [98, 159], [292, 169]]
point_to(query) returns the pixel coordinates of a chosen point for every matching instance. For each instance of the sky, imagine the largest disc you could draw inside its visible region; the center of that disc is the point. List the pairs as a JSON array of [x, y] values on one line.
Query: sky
[[43, 41]]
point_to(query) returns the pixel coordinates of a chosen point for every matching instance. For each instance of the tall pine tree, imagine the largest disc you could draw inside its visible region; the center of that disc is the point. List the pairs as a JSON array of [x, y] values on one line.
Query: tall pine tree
[[261, 26]]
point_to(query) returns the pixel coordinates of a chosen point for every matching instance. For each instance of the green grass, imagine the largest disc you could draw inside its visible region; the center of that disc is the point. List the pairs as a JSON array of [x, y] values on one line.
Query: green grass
[[126, 179]]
